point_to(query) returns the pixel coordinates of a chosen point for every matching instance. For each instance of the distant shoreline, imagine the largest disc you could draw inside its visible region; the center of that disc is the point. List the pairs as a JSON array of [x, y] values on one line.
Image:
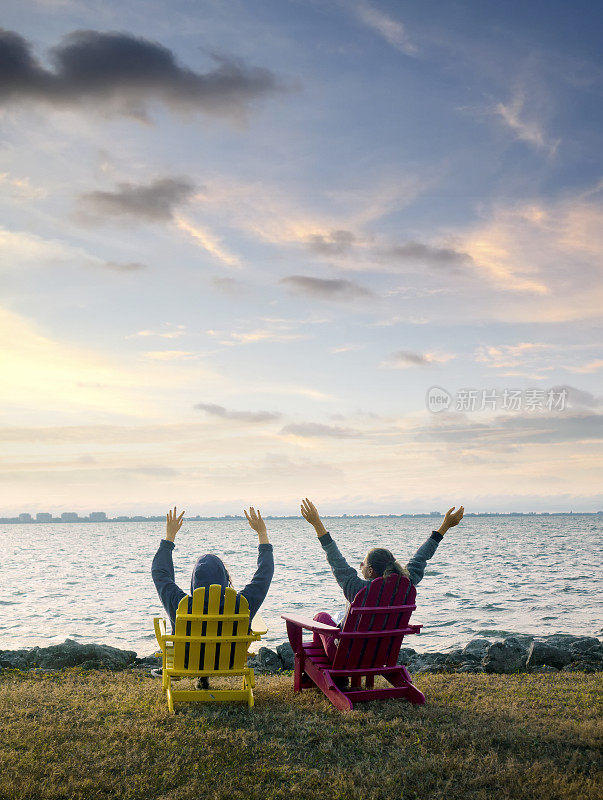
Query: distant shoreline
[[19, 520]]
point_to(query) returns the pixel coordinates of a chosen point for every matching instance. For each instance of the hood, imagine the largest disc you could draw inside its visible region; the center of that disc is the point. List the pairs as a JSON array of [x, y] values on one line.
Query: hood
[[208, 569]]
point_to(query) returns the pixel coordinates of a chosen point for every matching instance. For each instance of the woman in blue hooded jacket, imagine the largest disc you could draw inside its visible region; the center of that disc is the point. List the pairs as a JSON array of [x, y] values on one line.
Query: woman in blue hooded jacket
[[209, 568]]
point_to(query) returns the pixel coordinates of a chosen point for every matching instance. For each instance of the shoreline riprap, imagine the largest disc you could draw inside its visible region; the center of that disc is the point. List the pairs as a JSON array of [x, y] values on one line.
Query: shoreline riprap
[[515, 653]]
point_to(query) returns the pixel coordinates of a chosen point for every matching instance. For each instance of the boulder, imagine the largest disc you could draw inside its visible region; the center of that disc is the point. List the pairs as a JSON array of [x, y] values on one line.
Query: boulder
[[427, 662], [545, 668], [477, 647], [286, 654], [506, 657], [568, 640], [70, 654], [586, 644], [470, 667], [545, 654], [265, 661], [405, 655]]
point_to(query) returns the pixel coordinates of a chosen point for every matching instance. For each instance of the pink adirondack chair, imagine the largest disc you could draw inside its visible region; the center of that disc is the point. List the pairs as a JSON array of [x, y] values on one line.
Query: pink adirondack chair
[[368, 645]]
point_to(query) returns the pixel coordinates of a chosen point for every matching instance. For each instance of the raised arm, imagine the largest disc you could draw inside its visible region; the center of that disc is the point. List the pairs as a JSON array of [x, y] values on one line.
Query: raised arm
[[256, 590], [416, 565], [346, 576], [162, 568]]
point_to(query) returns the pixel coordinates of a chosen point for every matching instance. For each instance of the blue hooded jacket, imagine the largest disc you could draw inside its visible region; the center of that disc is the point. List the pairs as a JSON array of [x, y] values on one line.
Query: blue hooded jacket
[[208, 569]]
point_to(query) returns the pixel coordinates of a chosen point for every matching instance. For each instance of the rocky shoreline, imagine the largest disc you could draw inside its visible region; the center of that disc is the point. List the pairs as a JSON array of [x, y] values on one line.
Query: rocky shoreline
[[516, 653]]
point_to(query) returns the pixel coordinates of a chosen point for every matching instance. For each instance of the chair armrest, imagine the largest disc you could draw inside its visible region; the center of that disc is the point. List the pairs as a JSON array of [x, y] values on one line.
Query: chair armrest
[[159, 625], [311, 625], [258, 625]]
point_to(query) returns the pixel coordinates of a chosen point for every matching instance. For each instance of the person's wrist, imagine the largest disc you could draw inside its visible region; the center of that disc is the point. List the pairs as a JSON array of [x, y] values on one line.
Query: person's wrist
[[320, 529], [442, 529]]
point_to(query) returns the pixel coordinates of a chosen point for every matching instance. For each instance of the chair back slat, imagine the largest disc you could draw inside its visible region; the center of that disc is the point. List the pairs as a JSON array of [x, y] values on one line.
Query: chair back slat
[[241, 628], [394, 592], [212, 629], [402, 621], [180, 629], [400, 586], [195, 629], [349, 651], [228, 628]]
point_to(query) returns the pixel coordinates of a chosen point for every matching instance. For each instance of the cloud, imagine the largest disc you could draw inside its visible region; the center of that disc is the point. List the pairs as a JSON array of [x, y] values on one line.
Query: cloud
[[578, 398], [207, 242], [130, 266], [170, 355], [153, 202], [508, 356], [173, 332], [413, 252], [332, 244], [326, 288], [525, 130], [316, 429], [403, 359], [385, 26], [592, 366], [239, 416], [514, 430], [122, 73], [228, 286]]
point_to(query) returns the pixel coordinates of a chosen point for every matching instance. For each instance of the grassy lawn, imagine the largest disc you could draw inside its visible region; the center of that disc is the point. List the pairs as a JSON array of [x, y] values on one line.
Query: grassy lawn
[[109, 735]]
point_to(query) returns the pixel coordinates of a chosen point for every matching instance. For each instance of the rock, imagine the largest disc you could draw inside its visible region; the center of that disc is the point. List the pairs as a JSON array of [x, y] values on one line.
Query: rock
[[286, 655], [405, 654], [477, 647], [470, 667], [586, 644], [545, 654], [148, 661], [545, 668], [427, 662], [584, 666], [567, 640], [506, 657], [70, 654], [265, 661]]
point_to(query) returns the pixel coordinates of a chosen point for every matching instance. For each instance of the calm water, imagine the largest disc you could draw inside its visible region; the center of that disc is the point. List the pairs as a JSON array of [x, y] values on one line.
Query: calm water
[[92, 582]]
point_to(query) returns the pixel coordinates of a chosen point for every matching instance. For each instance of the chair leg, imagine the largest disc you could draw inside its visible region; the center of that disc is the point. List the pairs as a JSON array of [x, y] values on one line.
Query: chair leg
[[170, 698]]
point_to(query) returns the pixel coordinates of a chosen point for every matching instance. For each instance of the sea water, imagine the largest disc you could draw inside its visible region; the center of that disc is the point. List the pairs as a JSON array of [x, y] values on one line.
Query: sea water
[[489, 576]]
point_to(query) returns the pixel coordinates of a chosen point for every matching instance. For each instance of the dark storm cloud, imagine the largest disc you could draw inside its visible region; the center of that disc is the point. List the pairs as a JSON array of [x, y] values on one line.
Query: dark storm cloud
[[315, 429], [406, 357], [153, 202], [335, 244], [412, 252], [121, 73], [328, 288], [239, 416]]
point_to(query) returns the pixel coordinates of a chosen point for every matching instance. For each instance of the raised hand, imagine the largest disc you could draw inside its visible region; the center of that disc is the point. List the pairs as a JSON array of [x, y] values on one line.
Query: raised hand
[[257, 523], [311, 515], [451, 519], [173, 524]]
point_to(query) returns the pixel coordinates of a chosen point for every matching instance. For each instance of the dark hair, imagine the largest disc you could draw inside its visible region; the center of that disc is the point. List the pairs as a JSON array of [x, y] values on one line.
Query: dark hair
[[384, 563]]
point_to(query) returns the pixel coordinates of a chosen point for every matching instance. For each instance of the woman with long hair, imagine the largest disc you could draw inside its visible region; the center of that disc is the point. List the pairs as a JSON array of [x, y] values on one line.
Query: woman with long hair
[[378, 563]]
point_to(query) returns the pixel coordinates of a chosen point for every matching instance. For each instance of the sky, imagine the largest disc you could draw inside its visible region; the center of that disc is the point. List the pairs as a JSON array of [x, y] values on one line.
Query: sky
[[242, 242]]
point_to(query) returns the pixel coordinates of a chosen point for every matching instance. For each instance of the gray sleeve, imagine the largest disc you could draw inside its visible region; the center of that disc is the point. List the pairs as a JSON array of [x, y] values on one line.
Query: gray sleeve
[[346, 576], [416, 565]]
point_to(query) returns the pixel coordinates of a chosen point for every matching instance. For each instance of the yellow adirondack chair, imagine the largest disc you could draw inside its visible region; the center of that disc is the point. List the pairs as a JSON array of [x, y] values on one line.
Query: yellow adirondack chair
[[224, 653]]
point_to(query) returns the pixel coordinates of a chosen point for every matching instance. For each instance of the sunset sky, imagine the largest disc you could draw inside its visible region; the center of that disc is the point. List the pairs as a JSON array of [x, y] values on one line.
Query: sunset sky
[[240, 241]]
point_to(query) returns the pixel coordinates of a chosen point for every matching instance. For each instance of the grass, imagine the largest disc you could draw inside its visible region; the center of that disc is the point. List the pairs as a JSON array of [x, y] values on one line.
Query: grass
[[98, 734]]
